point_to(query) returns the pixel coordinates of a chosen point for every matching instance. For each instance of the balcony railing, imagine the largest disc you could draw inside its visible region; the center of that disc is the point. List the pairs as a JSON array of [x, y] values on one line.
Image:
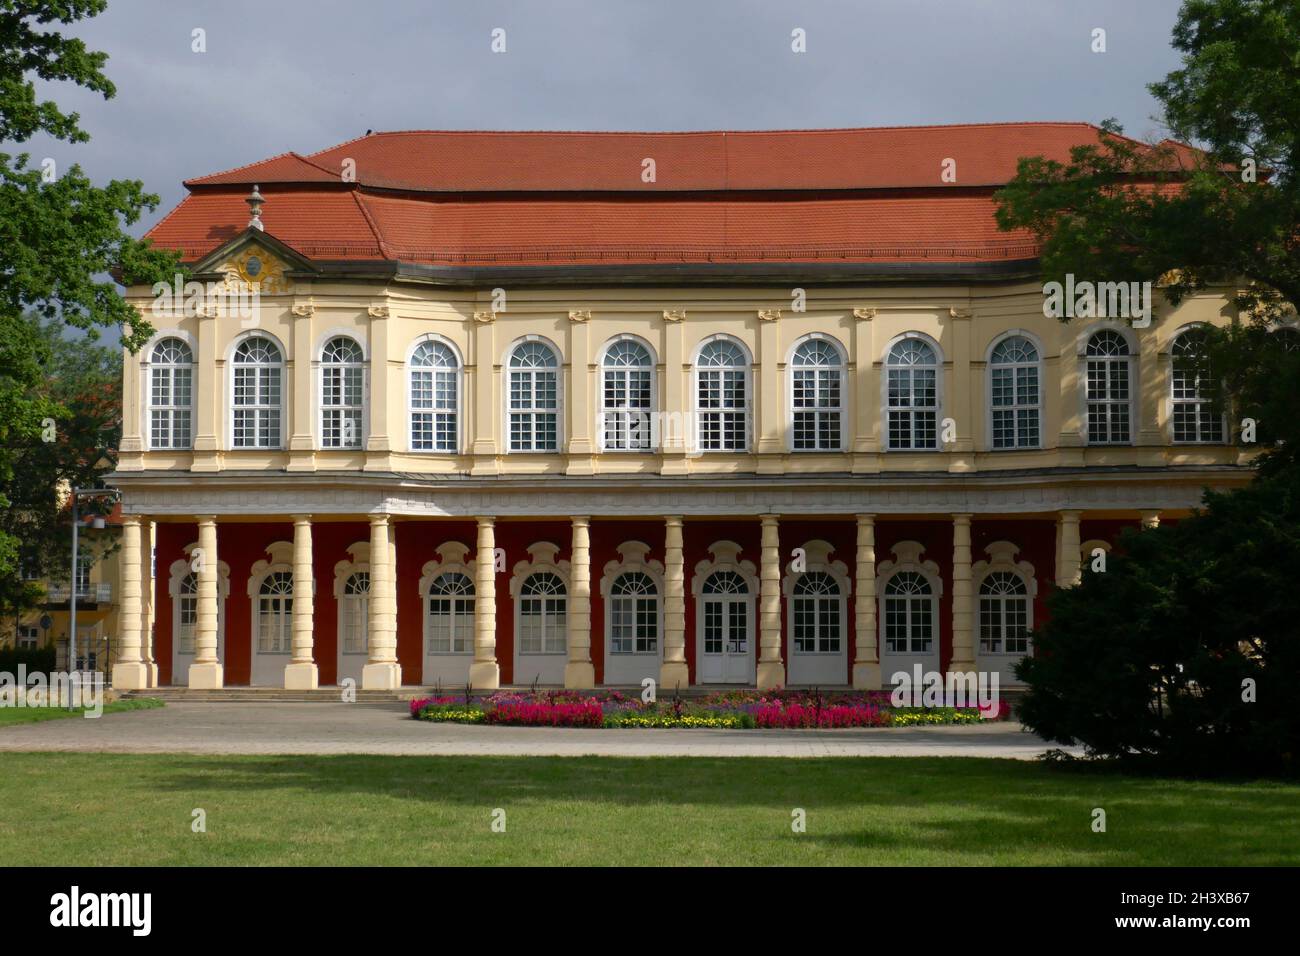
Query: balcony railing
[[99, 593]]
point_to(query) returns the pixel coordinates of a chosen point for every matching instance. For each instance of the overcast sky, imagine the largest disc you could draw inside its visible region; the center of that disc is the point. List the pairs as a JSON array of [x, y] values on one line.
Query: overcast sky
[[305, 74]]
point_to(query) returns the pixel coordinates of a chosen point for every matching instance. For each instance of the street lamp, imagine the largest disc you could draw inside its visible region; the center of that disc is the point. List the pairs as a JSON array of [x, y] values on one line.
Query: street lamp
[[72, 591]]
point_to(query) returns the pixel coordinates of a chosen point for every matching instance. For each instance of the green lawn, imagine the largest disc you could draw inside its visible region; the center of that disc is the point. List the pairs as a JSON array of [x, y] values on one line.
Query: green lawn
[[34, 715], [77, 809]]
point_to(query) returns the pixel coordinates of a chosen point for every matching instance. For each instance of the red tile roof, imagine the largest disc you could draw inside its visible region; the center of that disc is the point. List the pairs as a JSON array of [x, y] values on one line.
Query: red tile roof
[[536, 198]]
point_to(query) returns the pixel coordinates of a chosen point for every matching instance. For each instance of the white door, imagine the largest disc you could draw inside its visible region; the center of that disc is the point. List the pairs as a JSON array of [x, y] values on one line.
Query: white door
[[909, 627], [726, 646], [272, 630], [185, 616], [818, 645], [354, 627]]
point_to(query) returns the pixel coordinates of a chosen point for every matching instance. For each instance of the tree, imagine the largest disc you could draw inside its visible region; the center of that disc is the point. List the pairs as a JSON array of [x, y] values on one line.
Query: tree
[[1185, 651], [1183, 654], [61, 239]]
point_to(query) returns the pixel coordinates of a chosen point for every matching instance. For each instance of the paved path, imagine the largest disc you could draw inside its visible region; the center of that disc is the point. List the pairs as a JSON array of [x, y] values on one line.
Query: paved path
[[335, 728]]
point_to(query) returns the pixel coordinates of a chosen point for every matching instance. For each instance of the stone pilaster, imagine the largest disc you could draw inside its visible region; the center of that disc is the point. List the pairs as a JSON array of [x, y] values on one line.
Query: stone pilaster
[[674, 673], [148, 535], [301, 673], [206, 673], [382, 672], [578, 672], [130, 673], [963, 598], [771, 667], [1068, 568], [485, 672], [866, 662]]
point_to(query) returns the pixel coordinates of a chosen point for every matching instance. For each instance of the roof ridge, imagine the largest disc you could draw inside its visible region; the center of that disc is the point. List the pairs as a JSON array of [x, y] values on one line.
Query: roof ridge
[[372, 224], [236, 169], [707, 132]]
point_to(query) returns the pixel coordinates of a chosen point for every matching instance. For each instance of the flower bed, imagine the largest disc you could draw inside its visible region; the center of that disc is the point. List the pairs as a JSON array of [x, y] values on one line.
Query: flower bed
[[731, 710]]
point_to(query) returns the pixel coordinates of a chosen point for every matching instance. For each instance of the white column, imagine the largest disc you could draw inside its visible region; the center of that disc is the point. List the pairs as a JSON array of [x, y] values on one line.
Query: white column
[[148, 536], [130, 673], [382, 672], [963, 609], [674, 672], [301, 673], [1068, 568], [485, 672], [866, 663], [578, 672], [771, 669], [206, 672]]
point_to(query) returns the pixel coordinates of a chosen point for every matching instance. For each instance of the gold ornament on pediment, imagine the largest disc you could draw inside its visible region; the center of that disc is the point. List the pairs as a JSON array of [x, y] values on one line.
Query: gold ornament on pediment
[[254, 269]]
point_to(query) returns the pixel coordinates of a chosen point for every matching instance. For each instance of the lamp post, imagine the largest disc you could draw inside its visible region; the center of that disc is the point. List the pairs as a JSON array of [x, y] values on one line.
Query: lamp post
[[72, 591]]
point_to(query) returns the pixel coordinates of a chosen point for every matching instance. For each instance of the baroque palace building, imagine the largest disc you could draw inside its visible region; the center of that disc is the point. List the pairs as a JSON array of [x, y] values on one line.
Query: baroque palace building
[[757, 408]]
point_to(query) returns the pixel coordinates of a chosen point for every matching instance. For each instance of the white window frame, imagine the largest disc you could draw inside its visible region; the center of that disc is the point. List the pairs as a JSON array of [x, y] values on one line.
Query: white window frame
[[1131, 361], [280, 409], [938, 407], [747, 369], [453, 562], [907, 557], [1175, 403], [603, 370], [148, 368], [1002, 560], [543, 558], [362, 410], [507, 380], [1016, 407], [458, 409], [840, 409], [817, 561], [632, 560]]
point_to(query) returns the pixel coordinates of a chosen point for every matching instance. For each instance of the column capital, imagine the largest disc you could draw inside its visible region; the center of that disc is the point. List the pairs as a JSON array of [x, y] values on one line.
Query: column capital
[[486, 521], [962, 518], [301, 519]]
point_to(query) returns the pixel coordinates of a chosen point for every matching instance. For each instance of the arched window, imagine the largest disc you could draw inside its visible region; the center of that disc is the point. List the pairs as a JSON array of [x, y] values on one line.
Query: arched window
[[725, 582], [451, 614], [1194, 418], [258, 371], [1109, 389], [817, 397], [275, 614], [722, 397], [1015, 396], [909, 614], [1004, 614], [171, 394], [912, 395], [533, 398], [354, 613], [634, 614], [435, 398], [627, 376], [187, 612], [818, 614], [342, 393], [542, 614]]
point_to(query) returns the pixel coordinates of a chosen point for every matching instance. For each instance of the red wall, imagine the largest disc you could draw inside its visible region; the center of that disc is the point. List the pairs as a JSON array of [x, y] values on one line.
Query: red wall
[[240, 545]]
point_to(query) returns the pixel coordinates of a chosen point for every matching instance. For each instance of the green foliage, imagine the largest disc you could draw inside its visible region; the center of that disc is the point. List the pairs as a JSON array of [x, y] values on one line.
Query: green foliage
[[1150, 660], [40, 660], [61, 239]]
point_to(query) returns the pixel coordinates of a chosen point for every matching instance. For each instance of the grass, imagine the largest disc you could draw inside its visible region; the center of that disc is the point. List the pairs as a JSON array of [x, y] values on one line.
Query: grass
[[78, 809], [10, 716]]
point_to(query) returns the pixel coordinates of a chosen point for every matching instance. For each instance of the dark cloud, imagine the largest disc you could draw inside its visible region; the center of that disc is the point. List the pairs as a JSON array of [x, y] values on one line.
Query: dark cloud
[[281, 75]]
